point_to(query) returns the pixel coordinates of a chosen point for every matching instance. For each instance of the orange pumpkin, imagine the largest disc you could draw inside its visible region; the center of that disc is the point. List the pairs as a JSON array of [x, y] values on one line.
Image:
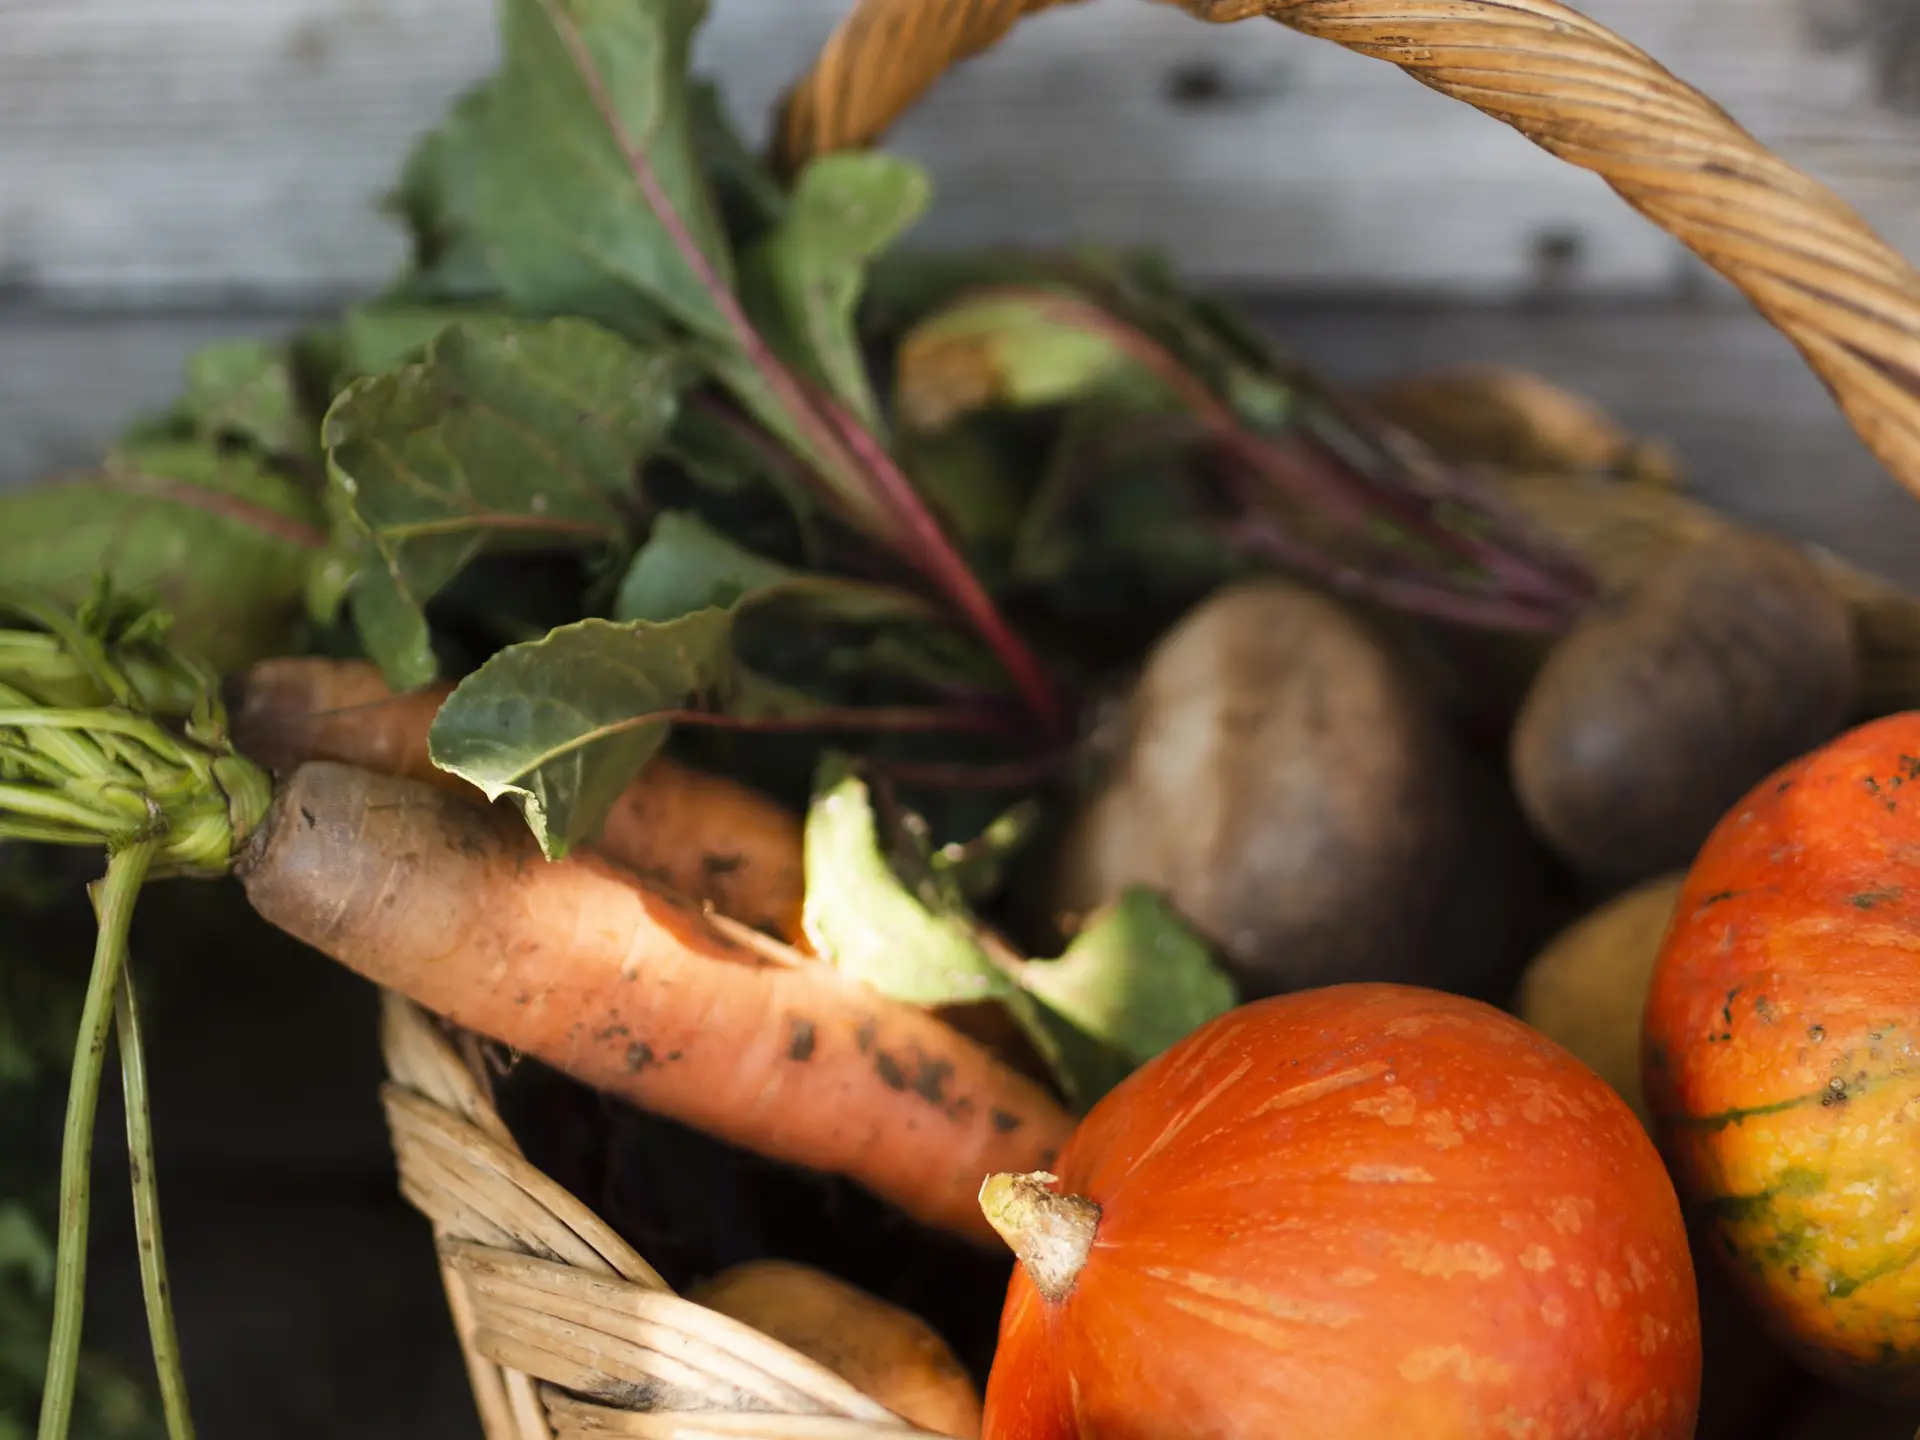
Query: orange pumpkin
[[1355, 1213], [1781, 1054]]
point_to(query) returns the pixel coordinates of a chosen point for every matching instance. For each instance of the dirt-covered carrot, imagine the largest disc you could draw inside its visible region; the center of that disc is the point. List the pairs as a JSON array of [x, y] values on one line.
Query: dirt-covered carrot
[[584, 966], [709, 839]]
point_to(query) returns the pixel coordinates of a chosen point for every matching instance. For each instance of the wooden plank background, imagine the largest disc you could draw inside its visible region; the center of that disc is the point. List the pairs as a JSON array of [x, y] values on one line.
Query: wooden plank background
[[218, 146]]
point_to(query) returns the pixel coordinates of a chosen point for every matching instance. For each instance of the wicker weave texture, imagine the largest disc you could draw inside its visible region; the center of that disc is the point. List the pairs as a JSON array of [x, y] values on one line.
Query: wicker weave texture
[[566, 1330]]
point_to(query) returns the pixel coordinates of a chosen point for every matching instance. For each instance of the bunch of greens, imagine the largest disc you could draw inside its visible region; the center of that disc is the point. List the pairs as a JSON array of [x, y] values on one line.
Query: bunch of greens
[[646, 436]]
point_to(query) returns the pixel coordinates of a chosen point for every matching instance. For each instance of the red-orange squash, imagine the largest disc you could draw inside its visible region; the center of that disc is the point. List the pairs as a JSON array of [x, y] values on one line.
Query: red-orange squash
[[1368, 1212], [1781, 1053]]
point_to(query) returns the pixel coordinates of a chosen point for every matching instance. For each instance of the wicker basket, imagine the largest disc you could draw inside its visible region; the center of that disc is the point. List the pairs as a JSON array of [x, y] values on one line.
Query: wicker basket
[[566, 1330]]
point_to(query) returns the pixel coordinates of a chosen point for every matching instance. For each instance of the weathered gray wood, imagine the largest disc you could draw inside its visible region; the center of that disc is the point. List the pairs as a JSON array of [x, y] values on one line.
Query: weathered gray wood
[[1758, 434], [69, 381], [240, 145]]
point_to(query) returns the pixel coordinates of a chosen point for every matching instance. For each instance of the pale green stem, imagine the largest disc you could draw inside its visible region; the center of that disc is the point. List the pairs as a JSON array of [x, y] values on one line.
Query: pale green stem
[[71, 749], [34, 660], [146, 1214], [92, 720], [29, 833], [154, 770], [126, 869], [32, 643], [39, 805], [33, 763]]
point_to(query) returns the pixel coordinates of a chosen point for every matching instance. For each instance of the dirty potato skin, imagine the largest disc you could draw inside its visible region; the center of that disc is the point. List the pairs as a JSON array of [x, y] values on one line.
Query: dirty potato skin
[[1782, 1052], [1658, 710], [1278, 774], [881, 1350]]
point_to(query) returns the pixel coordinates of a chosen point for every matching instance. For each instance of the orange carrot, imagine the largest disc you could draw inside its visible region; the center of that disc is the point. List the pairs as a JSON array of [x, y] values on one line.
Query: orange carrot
[[579, 963], [708, 839]]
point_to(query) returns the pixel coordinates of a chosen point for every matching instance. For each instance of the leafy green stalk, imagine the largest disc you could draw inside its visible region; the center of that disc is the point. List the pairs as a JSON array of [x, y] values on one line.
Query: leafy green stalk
[[1423, 539], [126, 871], [507, 435], [928, 547], [587, 200], [218, 536], [146, 1213], [783, 385], [869, 486], [804, 277], [561, 725], [884, 908]]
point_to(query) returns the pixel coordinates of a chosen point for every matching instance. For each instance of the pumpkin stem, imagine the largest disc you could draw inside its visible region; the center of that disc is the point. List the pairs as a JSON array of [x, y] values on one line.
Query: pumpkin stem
[[1051, 1233]]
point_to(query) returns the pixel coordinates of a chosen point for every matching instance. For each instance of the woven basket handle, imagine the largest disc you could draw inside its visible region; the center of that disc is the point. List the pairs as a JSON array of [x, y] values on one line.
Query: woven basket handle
[[1806, 260]]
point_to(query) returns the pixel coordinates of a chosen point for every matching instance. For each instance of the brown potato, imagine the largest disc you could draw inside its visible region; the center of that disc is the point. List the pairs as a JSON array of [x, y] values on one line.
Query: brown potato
[[1664, 705], [1623, 533], [1279, 774], [1588, 989], [880, 1349]]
